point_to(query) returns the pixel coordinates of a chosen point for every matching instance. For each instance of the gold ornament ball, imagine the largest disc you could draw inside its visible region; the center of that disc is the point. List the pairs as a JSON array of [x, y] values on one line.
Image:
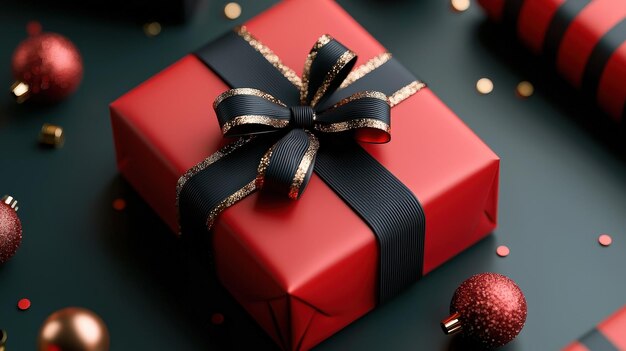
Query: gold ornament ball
[[73, 329]]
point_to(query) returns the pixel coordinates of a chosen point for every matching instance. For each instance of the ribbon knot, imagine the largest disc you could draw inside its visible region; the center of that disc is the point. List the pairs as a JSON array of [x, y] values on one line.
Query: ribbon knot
[[302, 117], [287, 165]]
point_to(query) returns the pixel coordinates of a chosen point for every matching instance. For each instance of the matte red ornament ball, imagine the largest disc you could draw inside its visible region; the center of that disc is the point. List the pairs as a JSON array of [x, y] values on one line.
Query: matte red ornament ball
[[491, 309], [48, 65], [10, 232]]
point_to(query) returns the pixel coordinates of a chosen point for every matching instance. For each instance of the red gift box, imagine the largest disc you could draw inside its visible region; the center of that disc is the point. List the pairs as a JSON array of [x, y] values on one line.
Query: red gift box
[[584, 39], [610, 334], [307, 268]]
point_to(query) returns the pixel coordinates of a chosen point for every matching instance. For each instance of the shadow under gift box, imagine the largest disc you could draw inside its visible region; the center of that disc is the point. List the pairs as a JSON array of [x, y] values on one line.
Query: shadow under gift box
[[305, 269]]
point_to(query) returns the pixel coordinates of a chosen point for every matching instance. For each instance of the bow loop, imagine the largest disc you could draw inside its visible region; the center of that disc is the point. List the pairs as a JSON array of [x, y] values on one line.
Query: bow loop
[[326, 67], [287, 166], [366, 114], [247, 111]]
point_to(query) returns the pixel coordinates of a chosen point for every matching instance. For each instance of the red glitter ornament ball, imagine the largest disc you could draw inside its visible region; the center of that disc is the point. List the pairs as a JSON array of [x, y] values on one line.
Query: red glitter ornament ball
[[10, 229], [47, 67], [489, 308]]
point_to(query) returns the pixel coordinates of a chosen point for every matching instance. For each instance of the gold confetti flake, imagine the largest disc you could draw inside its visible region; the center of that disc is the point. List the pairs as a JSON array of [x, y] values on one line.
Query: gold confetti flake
[[525, 89], [51, 135], [152, 29], [232, 10], [484, 86], [460, 5]]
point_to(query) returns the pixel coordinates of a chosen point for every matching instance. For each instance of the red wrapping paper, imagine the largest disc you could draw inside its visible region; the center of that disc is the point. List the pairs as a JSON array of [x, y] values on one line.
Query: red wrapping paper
[[308, 268], [584, 32], [612, 329]]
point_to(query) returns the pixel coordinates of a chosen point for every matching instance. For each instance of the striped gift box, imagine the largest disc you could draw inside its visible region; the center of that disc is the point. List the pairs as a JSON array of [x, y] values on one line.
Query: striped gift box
[[585, 40]]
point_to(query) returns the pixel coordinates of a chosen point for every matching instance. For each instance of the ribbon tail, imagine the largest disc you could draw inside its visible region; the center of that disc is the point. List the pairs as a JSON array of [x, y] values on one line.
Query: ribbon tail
[[287, 166], [218, 182]]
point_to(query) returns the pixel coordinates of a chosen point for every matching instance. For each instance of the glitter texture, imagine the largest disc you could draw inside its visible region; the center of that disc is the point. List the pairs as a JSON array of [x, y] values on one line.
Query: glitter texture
[[405, 92], [353, 124], [492, 308], [343, 60], [365, 69], [10, 232], [270, 56], [362, 95], [246, 91], [304, 90], [50, 65], [254, 119], [305, 164]]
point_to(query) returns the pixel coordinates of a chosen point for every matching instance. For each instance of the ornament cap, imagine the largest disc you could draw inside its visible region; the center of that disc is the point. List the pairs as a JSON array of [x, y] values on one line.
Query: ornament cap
[[20, 91], [452, 324], [11, 202], [3, 339]]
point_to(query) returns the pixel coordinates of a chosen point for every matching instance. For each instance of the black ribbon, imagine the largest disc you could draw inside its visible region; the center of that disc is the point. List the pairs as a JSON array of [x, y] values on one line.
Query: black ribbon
[[594, 340], [287, 131]]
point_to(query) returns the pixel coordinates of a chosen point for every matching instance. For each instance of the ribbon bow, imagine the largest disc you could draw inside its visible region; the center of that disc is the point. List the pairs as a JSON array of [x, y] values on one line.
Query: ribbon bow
[[287, 165]]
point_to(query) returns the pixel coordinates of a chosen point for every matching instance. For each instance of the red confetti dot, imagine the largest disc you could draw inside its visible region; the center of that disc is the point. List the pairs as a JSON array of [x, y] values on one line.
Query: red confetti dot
[[503, 251], [33, 28], [119, 204], [217, 318], [23, 304], [605, 240]]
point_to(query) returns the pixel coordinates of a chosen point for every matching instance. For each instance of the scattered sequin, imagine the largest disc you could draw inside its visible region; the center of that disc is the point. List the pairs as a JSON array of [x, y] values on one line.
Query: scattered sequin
[[484, 86], [217, 318], [152, 29], [232, 10], [605, 240], [503, 251], [119, 204], [460, 5], [23, 304], [525, 89], [51, 135]]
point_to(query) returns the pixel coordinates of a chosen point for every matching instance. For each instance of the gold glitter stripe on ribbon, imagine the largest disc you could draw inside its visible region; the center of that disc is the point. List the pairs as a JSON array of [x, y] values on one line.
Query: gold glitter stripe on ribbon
[[405, 92], [270, 56], [254, 119], [246, 91], [204, 164], [353, 124], [366, 68], [306, 72], [361, 95], [330, 76], [229, 201], [304, 166], [265, 162]]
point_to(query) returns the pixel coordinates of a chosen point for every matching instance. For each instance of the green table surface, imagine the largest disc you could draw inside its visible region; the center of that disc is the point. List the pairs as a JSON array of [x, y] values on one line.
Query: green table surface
[[561, 186]]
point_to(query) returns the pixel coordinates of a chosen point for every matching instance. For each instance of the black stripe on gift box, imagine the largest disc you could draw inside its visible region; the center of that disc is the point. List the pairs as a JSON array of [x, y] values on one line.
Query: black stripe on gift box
[[594, 340], [563, 18], [600, 56]]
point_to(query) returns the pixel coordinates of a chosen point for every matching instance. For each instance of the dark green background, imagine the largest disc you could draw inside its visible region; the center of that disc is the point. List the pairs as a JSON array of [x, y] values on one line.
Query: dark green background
[[561, 186]]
